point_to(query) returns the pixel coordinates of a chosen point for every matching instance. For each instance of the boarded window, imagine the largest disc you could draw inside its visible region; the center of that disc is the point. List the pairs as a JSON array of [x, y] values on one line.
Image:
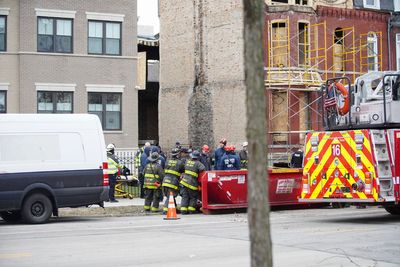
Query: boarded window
[[279, 44]]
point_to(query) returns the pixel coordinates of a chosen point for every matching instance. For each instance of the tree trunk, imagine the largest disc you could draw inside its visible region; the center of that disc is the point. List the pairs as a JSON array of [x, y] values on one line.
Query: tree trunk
[[258, 208]]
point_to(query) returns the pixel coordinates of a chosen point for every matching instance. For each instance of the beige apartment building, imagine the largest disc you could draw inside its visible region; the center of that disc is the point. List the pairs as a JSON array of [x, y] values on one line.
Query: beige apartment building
[[72, 56]]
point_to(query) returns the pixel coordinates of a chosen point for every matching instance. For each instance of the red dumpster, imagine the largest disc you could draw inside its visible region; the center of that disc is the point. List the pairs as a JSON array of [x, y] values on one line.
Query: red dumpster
[[228, 189]]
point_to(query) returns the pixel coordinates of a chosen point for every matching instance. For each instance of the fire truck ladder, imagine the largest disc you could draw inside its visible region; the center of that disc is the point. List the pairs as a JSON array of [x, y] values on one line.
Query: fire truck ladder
[[383, 167]]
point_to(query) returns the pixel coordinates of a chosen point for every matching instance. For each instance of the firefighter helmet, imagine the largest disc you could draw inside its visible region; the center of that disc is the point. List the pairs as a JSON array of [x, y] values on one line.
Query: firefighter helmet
[[175, 151], [110, 147], [153, 157], [245, 144], [230, 148], [205, 149], [195, 154]]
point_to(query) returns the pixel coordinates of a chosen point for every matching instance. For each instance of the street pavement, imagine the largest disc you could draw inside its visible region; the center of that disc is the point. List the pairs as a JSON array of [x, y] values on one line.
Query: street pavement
[[309, 237]]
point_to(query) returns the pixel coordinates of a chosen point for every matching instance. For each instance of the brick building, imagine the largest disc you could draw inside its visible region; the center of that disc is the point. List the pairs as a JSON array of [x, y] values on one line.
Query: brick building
[[71, 57], [309, 41]]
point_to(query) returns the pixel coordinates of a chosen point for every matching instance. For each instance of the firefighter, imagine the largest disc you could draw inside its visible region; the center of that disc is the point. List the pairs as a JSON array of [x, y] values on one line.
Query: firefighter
[[143, 162], [219, 152], [153, 176], [243, 156], [205, 157], [174, 169], [113, 167], [184, 155], [139, 154], [189, 185], [297, 159], [229, 161]]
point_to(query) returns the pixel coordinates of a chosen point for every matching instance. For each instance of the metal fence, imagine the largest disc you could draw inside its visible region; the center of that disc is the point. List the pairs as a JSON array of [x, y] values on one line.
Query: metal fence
[[127, 158]]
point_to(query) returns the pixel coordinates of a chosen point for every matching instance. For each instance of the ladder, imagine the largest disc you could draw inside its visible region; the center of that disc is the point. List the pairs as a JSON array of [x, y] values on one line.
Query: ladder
[[382, 164]]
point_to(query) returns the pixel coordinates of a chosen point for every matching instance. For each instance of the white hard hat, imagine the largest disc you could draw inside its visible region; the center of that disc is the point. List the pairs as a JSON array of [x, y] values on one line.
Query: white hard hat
[[110, 147], [245, 144]]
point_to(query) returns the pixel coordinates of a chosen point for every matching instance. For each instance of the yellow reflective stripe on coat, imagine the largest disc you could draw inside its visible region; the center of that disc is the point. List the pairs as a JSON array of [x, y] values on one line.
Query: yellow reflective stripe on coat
[[170, 186], [150, 175], [173, 172], [188, 185], [150, 186], [112, 166], [191, 173], [191, 208]]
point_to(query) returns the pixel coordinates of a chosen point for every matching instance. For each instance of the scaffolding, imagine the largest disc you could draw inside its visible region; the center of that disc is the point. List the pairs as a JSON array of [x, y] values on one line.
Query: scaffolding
[[293, 83], [371, 51], [344, 53]]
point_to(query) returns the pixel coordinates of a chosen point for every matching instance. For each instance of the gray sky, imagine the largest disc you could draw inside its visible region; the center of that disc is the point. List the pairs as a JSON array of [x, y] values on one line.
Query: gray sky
[[148, 14]]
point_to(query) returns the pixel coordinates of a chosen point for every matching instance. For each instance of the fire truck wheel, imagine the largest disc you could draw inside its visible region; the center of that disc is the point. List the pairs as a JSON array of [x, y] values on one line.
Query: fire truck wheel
[[394, 210]]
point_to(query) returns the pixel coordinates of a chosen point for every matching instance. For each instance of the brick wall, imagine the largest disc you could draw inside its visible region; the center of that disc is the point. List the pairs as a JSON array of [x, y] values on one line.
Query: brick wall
[[202, 94]]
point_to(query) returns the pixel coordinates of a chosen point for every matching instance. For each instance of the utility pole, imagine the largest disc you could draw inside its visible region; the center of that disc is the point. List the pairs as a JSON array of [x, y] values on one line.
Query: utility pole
[[258, 206]]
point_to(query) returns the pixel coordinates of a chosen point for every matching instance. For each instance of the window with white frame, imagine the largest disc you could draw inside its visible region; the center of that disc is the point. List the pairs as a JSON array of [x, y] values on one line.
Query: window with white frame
[[107, 106], [3, 101], [54, 102], [372, 48], [372, 4], [398, 51], [3, 33], [54, 35], [104, 37]]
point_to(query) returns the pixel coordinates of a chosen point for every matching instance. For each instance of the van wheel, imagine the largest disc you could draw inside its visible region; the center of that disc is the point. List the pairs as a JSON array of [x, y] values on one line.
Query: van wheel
[[37, 208], [394, 210], [11, 216]]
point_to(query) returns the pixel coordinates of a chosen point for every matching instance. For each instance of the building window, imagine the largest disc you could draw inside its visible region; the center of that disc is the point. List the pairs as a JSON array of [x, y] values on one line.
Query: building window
[[3, 101], [338, 50], [396, 6], [104, 38], [3, 33], [107, 106], [398, 51], [54, 35], [54, 102], [372, 4], [279, 44], [304, 44], [372, 48]]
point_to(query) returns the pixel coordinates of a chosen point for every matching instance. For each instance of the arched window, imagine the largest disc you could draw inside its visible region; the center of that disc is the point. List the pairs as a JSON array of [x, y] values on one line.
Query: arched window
[[372, 48]]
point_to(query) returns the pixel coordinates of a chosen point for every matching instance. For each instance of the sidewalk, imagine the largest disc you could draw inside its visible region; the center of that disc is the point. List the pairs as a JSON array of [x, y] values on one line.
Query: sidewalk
[[124, 202]]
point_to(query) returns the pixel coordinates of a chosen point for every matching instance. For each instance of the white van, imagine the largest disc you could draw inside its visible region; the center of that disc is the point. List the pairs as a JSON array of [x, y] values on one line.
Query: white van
[[49, 161]]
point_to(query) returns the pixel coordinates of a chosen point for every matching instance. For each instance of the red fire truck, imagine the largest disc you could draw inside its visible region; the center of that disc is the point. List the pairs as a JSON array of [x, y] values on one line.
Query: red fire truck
[[356, 160]]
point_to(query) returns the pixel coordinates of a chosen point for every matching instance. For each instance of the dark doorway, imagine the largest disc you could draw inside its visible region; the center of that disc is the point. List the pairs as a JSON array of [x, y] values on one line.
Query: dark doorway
[[148, 98]]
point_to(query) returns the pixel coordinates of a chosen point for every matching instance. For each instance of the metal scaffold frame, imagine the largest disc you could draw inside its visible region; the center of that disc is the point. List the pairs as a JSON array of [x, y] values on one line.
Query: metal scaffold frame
[[285, 74]]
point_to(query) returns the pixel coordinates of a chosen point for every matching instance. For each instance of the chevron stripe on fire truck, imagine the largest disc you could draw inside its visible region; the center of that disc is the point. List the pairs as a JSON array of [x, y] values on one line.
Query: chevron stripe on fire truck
[[342, 168]]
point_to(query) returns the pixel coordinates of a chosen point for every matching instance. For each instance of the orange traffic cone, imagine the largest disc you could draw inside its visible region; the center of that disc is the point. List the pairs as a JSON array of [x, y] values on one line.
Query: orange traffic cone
[[171, 214]]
